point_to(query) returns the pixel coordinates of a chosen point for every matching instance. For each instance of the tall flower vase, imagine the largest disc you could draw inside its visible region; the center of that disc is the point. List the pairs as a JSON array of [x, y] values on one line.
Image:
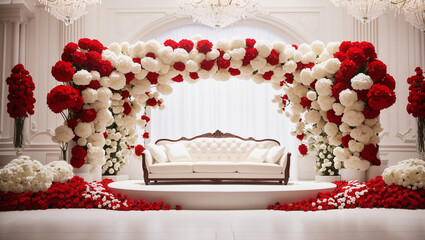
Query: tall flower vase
[[420, 141], [18, 136], [349, 175]]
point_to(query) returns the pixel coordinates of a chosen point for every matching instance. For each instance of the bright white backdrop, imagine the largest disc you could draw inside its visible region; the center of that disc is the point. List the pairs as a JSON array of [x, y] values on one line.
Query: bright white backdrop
[[238, 106]]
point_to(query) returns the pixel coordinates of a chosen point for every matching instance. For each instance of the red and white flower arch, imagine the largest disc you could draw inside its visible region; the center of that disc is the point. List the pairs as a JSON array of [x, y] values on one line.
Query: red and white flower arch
[[333, 92]]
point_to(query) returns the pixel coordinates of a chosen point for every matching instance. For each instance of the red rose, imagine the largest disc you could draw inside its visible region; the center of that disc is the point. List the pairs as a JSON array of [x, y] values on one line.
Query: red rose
[[348, 68], [85, 43], [194, 75], [268, 75], [146, 118], [125, 94], [151, 102], [303, 149], [94, 84], [389, 81], [273, 58], [152, 77], [362, 94], [250, 42], [105, 68], [289, 78], [93, 58], [179, 66], [368, 49], [345, 140], [186, 45], [370, 113], [146, 135], [369, 152], [356, 55], [377, 70], [127, 108], [70, 48], [72, 123], [207, 65], [223, 63], [62, 97], [333, 118], [137, 60], [129, 77], [339, 77], [341, 56], [344, 46], [79, 152], [305, 102], [250, 54], [178, 78], [380, 97], [204, 46], [97, 46], [234, 71], [139, 150], [63, 71], [88, 115], [151, 55], [171, 43], [78, 104], [300, 136], [79, 58], [77, 162]]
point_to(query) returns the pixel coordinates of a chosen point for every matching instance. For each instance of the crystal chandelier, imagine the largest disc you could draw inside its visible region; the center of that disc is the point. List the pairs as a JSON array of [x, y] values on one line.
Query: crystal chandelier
[[68, 10], [364, 10], [413, 10], [219, 13]]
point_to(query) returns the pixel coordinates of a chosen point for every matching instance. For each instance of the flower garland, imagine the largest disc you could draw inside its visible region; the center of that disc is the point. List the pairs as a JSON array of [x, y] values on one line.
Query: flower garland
[[372, 194], [340, 89], [26, 174], [416, 106], [408, 173], [337, 89], [76, 193], [21, 100]]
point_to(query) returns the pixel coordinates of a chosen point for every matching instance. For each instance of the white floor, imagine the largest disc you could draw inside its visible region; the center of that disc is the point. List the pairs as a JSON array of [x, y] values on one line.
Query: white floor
[[93, 224], [222, 196]]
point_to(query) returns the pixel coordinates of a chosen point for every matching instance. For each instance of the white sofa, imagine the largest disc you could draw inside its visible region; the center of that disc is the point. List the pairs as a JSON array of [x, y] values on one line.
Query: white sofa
[[216, 156]]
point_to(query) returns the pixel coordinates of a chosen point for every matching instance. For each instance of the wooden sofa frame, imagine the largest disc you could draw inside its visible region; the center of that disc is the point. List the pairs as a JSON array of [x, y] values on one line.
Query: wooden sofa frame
[[216, 134]]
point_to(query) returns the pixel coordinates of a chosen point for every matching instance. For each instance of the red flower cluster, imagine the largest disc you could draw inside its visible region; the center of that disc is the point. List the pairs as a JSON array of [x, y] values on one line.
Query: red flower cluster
[[21, 96], [372, 194], [78, 155], [369, 153], [76, 193], [303, 149], [380, 97], [416, 104]]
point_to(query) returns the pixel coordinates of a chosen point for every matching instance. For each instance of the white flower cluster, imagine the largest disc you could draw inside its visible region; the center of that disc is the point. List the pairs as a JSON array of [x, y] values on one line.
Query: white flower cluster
[[353, 191], [25, 174], [408, 173]]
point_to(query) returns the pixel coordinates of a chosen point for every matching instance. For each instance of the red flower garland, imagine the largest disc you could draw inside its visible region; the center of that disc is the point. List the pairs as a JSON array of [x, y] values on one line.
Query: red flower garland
[[21, 96]]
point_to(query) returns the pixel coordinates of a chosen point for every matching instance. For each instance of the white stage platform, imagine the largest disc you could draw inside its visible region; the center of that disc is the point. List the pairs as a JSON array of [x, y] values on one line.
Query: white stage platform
[[223, 196]]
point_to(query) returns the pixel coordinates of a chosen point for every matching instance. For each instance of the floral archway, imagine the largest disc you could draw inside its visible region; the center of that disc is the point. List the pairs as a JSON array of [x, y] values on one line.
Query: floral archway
[[334, 93]]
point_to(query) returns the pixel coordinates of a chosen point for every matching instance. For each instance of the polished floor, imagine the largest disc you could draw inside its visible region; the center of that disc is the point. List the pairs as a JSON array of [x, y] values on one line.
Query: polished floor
[[94, 224], [225, 196]]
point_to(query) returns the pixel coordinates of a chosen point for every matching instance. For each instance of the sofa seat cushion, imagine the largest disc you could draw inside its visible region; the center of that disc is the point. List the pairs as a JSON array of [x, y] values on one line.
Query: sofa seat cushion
[[172, 167], [255, 167], [214, 166]]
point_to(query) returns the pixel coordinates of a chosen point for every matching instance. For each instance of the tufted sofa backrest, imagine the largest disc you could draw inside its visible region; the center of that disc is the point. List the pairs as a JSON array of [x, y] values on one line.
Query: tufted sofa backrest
[[221, 149]]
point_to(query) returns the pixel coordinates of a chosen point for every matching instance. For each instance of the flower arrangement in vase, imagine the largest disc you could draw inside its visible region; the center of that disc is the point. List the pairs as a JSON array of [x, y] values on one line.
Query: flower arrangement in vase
[[416, 107], [21, 102]]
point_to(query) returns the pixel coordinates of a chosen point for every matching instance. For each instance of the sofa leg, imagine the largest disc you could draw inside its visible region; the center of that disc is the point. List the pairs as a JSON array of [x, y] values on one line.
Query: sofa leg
[[146, 181], [280, 182]]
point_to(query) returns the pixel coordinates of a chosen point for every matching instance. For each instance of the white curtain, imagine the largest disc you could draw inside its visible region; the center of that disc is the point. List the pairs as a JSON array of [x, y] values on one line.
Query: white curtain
[[237, 106]]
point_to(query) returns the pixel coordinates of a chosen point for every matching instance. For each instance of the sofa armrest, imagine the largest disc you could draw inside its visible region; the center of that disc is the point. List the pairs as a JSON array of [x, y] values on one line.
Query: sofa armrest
[[285, 163], [146, 163]]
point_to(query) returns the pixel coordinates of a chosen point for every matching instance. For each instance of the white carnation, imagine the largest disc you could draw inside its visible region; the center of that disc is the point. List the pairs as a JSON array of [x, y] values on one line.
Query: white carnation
[[312, 116], [338, 108], [97, 140], [361, 82], [117, 80], [317, 47], [325, 102], [355, 146], [324, 87], [353, 118], [83, 130], [306, 77], [89, 95], [62, 171], [64, 134], [332, 65], [124, 64], [362, 134], [331, 129], [82, 77], [348, 97]]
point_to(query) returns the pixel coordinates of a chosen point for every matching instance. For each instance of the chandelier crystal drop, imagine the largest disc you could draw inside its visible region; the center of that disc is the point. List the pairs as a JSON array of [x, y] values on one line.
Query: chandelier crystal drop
[[364, 10], [413, 10], [68, 10], [219, 13]]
